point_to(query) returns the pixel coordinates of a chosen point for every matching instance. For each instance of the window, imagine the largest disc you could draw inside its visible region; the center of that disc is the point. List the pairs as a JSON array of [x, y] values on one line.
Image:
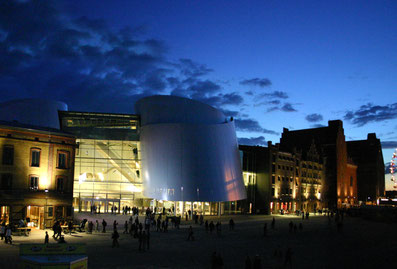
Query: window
[[50, 211], [61, 184], [273, 168], [33, 182], [63, 158], [6, 182], [273, 179], [278, 177], [35, 157], [8, 155], [290, 191], [273, 191], [351, 181]]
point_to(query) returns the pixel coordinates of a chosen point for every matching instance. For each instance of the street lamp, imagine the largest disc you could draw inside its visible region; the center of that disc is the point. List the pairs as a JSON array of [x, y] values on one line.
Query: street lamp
[[45, 209]]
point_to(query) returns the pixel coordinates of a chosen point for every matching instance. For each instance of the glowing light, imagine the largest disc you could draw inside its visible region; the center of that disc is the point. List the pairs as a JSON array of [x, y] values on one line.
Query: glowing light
[[101, 177], [133, 188], [137, 165], [82, 178]]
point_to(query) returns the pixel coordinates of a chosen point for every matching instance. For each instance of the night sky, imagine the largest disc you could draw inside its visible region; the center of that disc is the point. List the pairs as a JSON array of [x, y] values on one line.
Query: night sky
[[269, 64]]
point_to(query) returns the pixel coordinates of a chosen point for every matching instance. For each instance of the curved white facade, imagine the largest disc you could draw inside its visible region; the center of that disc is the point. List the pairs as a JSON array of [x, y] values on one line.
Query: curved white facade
[[189, 151], [37, 112]]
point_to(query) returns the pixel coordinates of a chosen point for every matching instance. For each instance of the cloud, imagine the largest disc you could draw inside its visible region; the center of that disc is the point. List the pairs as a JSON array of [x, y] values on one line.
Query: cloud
[[314, 117], [371, 113], [83, 62], [230, 113], [287, 107], [318, 125], [253, 141], [261, 82], [250, 125], [389, 144], [275, 95]]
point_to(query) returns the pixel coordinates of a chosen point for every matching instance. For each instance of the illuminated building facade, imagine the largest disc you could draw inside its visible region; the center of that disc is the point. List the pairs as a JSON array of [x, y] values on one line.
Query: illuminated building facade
[[176, 153], [107, 161], [330, 144], [277, 180], [36, 173]]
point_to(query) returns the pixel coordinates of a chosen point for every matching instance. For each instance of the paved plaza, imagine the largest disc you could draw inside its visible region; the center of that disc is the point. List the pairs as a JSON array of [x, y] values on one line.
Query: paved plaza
[[361, 244]]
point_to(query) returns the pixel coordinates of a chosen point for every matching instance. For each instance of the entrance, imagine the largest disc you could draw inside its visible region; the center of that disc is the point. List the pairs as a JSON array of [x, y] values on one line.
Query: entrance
[[5, 214], [35, 216]]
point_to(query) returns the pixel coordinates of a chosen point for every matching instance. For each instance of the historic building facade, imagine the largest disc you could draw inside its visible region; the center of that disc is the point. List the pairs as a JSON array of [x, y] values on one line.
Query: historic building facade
[[279, 181], [330, 144], [36, 173], [367, 155]]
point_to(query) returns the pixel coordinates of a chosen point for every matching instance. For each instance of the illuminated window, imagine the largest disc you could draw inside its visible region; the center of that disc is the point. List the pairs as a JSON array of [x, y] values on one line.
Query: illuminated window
[[63, 159], [35, 157], [8, 155], [33, 182]]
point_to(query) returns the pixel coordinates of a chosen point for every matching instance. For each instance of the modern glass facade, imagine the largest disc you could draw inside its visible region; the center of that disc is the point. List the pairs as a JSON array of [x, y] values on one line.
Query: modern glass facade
[[107, 174]]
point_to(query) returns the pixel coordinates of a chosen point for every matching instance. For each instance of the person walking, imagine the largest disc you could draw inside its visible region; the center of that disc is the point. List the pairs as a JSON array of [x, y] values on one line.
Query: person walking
[[3, 230], [104, 223], [231, 225], [248, 264], [257, 262], [288, 258], [8, 237], [97, 226], [115, 225], [115, 237], [46, 238], [190, 236], [125, 228], [265, 229]]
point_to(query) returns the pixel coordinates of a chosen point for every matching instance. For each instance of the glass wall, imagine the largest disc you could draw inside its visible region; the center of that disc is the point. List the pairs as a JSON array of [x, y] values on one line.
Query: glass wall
[[107, 175]]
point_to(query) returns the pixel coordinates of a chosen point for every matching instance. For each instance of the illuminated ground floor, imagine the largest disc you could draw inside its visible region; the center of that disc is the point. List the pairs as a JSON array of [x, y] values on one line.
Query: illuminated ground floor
[[291, 206], [36, 209], [110, 203]]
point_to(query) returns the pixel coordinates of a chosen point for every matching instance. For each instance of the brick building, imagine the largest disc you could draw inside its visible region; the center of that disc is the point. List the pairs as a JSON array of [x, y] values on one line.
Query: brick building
[[367, 154], [36, 173], [279, 180], [330, 143]]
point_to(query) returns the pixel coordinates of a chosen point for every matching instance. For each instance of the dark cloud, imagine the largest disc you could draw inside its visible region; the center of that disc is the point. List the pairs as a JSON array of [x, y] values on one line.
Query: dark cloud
[[230, 113], [287, 107], [318, 125], [81, 61], [275, 95], [389, 144], [261, 82], [371, 113], [253, 141], [314, 117], [250, 125]]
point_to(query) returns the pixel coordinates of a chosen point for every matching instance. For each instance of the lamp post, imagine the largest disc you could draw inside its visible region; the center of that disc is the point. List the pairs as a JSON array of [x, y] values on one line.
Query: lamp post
[[45, 209]]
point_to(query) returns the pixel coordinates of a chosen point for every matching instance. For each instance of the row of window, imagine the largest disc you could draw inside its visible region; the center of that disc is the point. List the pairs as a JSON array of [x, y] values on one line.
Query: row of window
[[35, 155], [284, 191], [33, 181], [280, 178]]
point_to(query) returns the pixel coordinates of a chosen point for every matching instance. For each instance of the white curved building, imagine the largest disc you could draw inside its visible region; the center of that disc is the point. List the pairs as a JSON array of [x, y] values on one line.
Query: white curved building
[[189, 151]]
